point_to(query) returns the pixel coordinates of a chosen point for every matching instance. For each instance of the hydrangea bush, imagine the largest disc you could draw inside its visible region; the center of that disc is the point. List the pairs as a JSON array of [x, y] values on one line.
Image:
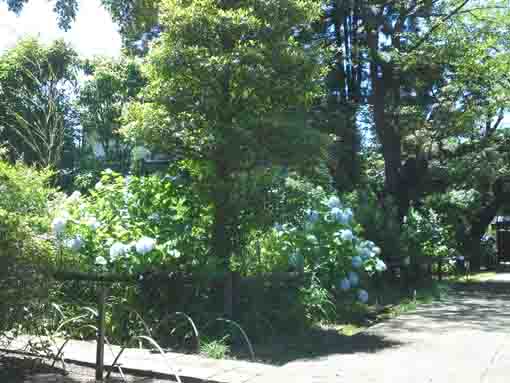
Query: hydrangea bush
[[327, 243], [130, 224]]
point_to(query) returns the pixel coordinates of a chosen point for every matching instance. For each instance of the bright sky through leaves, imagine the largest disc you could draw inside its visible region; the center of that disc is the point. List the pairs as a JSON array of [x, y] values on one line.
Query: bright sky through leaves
[[93, 32]]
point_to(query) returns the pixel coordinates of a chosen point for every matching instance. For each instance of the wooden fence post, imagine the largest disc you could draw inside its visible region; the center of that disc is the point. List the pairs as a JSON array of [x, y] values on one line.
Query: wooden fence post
[[101, 325]]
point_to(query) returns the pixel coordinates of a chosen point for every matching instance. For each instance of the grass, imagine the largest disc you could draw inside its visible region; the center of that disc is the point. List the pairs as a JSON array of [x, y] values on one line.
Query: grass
[[215, 349], [476, 278]]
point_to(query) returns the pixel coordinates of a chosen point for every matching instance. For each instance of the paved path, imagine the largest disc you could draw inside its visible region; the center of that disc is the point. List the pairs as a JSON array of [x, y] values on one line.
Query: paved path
[[465, 339], [188, 367]]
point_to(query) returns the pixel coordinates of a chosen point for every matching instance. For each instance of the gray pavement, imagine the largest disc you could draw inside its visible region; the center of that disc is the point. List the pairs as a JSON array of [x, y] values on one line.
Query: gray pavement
[[464, 338]]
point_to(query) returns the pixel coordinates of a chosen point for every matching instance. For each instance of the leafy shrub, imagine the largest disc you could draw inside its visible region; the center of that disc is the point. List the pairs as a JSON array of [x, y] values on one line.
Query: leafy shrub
[[138, 224], [25, 254], [426, 235], [377, 215], [133, 224]]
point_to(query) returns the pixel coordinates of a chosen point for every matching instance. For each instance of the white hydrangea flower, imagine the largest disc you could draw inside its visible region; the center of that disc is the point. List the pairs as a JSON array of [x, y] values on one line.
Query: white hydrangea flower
[[345, 284], [174, 253], [380, 265], [58, 224], [117, 250], [376, 250], [357, 262], [145, 245], [363, 296], [74, 244], [346, 235], [101, 261], [353, 279], [74, 197], [93, 223], [98, 185]]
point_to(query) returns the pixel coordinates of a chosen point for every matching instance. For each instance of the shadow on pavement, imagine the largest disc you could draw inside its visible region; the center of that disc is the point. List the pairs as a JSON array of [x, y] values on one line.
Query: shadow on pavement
[[481, 306], [321, 342], [14, 369]]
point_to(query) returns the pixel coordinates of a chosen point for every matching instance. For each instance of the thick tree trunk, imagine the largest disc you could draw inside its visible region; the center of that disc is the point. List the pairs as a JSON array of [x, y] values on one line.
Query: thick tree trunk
[[478, 229], [222, 246], [222, 241], [481, 222]]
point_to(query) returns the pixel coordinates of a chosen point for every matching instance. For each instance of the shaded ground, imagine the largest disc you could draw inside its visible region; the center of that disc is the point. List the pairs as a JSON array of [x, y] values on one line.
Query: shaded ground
[[320, 342], [463, 338], [349, 337], [18, 369]]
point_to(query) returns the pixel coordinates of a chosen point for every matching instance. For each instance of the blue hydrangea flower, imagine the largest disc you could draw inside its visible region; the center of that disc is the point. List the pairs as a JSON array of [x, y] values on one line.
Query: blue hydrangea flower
[[312, 216], [365, 253], [376, 250], [363, 296], [344, 284], [58, 225], [117, 250], [357, 262], [74, 244], [145, 245], [353, 279], [333, 202], [348, 214], [337, 214]]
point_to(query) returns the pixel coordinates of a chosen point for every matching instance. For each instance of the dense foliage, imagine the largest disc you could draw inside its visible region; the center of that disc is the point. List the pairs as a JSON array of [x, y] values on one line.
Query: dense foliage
[[324, 139], [25, 252]]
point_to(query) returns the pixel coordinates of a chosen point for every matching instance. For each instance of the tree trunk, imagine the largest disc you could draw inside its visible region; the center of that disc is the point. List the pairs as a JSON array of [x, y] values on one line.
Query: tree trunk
[[222, 245], [478, 229]]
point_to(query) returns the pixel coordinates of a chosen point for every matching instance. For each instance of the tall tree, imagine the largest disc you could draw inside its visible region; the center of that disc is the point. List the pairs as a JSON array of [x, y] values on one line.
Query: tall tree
[[385, 74], [37, 84], [109, 86], [230, 85]]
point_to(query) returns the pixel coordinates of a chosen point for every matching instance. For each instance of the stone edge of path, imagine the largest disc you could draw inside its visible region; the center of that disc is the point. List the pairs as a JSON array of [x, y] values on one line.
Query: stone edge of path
[[150, 373]]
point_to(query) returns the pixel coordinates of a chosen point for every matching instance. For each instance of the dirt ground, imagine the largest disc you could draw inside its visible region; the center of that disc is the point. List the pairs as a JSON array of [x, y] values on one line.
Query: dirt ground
[[16, 368]]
